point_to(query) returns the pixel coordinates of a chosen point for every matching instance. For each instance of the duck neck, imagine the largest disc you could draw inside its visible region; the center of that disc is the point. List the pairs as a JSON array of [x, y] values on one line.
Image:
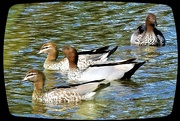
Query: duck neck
[[38, 87], [52, 56], [149, 27], [73, 60]]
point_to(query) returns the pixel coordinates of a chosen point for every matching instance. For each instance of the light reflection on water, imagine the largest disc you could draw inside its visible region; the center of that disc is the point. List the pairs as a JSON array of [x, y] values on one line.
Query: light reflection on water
[[89, 25]]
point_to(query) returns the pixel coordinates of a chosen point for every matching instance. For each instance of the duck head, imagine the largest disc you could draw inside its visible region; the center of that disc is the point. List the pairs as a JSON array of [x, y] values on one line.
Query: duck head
[[72, 55], [151, 20], [50, 49]]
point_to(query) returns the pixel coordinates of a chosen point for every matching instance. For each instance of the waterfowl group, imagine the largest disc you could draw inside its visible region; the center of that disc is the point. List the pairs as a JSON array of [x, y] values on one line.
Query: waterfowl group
[[85, 58], [148, 34], [89, 71]]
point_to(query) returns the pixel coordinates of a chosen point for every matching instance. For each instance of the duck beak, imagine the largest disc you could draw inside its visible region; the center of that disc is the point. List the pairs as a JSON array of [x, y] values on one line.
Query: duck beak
[[41, 51], [25, 79]]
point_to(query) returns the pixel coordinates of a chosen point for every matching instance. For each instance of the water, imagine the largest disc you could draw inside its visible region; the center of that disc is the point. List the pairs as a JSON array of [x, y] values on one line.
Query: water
[[89, 25]]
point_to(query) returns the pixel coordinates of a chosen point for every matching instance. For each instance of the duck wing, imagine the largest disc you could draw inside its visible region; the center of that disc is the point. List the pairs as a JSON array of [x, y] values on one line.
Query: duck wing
[[93, 51], [98, 56], [160, 37], [111, 71]]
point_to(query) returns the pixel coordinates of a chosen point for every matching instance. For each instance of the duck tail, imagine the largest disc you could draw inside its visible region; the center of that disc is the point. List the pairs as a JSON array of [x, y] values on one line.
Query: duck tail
[[89, 96], [105, 56], [112, 51], [128, 74], [99, 86], [103, 84]]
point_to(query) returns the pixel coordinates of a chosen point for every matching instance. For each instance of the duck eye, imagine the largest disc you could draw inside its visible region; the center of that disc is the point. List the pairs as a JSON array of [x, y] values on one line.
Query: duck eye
[[67, 48], [45, 47], [31, 74]]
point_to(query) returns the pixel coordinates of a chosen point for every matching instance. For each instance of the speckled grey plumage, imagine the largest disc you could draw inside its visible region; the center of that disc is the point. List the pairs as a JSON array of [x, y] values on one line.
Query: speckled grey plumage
[[58, 95], [148, 34]]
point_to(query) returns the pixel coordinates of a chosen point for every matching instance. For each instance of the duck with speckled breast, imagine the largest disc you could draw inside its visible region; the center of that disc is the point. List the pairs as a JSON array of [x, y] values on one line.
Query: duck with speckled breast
[[148, 34], [63, 94]]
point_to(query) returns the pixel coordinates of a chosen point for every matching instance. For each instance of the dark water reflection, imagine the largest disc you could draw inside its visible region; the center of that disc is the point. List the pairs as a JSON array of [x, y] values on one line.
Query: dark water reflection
[[88, 25]]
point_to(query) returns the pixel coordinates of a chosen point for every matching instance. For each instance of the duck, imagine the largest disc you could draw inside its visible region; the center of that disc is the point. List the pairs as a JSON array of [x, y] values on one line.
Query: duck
[[85, 57], [148, 34], [109, 70], [72, 93]]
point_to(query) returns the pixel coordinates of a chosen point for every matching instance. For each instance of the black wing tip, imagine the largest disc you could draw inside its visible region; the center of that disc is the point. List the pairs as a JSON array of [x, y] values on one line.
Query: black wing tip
[[95, 51], [102, 86], [100, 50], [128, 74], [76, 84], [131, 60], [112, 51]]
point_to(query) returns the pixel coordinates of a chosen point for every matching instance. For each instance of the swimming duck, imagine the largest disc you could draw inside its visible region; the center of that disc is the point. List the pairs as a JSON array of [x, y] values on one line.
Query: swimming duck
[[85, 57], [148, 34], [65, 94], [115, 70]]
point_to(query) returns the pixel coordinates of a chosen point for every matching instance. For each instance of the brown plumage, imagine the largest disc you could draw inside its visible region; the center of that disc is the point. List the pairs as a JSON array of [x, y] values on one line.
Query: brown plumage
[[85, 57], [69, 94]]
